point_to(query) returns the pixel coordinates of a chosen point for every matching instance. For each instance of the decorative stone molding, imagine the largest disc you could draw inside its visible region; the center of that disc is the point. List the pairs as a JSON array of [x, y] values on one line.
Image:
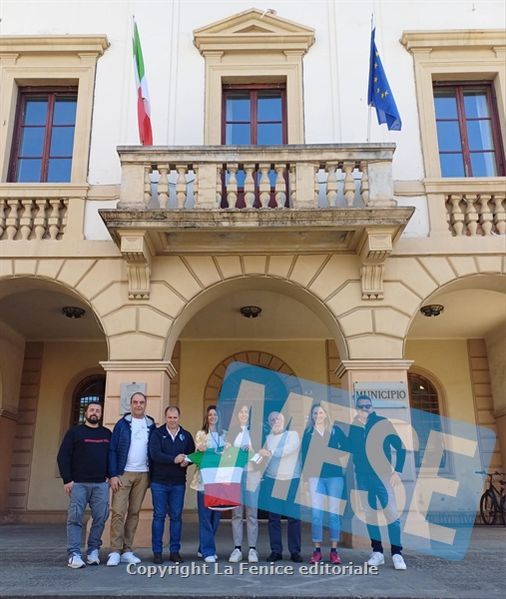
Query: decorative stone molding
[[372, 365], [136, 249], [253, 29], [139, 366], [374, 248]]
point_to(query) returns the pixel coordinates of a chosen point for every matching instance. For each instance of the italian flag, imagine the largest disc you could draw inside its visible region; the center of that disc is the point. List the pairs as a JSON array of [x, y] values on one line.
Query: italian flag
[[143, 107], [221, 475]]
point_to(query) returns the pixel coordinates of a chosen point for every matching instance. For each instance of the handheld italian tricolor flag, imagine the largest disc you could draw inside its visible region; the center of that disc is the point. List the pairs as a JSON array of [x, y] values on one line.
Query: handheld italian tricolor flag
[[143, 107], [221, 476]]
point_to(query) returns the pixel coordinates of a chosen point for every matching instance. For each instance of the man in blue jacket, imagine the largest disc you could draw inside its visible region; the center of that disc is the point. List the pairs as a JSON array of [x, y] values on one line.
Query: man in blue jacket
[[374, 436], [129, 470], [168, 446]]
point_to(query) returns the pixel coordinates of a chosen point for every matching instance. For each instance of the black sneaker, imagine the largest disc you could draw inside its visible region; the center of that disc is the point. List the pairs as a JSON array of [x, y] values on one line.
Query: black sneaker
[[175, 557], [274, 557], [157, 558], [296, 557]]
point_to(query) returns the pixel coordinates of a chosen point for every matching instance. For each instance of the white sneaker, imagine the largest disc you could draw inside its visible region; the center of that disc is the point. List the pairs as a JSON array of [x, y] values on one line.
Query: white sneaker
[[253, 556], [199, 554], [376, 559], [399, 563], [75, 561], [114, 559], [235, 556], [210, 559], [128, 557], [93, 558]]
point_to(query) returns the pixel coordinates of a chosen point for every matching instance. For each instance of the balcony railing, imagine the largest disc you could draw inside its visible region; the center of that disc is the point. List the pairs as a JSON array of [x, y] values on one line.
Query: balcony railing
[[249, 177], [41, 211], [476, 213]]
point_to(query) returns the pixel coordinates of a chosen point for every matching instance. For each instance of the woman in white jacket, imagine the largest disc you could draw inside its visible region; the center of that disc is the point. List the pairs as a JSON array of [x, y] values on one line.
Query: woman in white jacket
[[239, 436]]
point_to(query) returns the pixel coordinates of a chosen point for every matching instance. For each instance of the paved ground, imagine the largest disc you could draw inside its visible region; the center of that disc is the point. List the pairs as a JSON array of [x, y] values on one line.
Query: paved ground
[[32, 564]]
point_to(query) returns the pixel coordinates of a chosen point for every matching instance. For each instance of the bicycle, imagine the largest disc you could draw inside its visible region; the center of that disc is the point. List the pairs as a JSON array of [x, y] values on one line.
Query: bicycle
[[493, 500]]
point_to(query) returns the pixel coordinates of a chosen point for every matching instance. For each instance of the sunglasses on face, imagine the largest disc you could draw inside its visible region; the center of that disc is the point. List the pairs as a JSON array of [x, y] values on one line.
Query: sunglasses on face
[[364, 406]]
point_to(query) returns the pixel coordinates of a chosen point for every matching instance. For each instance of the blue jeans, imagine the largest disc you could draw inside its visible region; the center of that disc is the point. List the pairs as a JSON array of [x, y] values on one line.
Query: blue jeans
[[208, 525], [381, 492], [333, 489], [167, 499], [283, 507], [82, 494]]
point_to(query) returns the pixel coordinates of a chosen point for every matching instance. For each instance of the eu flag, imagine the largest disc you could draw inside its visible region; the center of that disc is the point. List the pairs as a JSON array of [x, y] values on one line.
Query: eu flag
[[379, 93]]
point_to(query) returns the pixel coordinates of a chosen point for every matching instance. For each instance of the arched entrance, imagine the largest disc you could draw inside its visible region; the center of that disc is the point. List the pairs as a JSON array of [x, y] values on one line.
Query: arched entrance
[[464, 348], [50, 339], [295, 334]]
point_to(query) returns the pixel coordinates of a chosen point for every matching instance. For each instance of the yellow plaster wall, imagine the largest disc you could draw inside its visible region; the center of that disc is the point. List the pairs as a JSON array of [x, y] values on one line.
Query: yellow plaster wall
[[199, 358], [63, 361], [496, 351], [448, 360], [12, 351]]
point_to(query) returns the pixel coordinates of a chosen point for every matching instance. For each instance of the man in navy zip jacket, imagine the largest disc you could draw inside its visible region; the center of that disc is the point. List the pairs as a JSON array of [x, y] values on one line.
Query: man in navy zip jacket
[[168, 446], [129, 470], [377, 480]]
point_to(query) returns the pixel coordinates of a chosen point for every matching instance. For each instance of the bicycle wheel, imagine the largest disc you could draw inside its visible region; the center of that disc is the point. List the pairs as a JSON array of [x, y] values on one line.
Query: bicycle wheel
[[488, 508], [503, 509]]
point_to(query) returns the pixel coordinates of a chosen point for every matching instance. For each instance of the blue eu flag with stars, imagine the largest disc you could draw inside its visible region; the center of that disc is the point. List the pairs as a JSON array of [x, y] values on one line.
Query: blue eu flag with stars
[[379, 93]]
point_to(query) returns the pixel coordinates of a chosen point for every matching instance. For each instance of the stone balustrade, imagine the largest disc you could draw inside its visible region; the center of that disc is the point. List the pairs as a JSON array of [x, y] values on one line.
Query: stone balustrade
[[476, 213], [32, 218], [41, 212], [249, 177]]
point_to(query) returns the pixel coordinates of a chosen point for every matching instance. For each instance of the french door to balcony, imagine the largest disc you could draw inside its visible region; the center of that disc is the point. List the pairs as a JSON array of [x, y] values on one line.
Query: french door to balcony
[[253, 115]]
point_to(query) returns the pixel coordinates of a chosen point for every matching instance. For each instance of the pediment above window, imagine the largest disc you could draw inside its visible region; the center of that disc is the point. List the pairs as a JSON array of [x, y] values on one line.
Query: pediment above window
[[253, 30]]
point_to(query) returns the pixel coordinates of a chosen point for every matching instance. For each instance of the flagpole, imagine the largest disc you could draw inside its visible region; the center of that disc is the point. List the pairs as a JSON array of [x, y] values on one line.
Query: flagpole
[[369, 107]]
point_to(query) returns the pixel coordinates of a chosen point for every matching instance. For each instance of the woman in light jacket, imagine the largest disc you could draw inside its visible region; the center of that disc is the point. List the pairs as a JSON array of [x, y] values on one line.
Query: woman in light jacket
[[239, 436]]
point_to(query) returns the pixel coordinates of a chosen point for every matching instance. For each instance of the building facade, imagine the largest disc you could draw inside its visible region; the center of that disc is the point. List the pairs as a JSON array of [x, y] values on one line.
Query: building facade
[[264, 188]]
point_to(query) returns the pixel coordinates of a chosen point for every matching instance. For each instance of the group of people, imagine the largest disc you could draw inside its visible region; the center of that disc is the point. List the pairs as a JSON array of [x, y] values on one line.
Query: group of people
[[138, 454]]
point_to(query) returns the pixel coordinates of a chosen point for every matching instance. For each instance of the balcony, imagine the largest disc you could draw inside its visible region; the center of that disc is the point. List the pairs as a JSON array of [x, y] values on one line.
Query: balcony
[[256, 199]]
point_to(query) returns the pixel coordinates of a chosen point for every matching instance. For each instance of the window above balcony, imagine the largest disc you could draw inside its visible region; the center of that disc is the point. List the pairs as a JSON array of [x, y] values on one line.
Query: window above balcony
[[46, 105], [468, 131], [459, 76], [253, 48], [44, 135]]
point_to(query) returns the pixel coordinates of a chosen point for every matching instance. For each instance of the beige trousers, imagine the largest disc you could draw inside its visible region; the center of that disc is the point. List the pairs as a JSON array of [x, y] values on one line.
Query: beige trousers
[[127, 502]]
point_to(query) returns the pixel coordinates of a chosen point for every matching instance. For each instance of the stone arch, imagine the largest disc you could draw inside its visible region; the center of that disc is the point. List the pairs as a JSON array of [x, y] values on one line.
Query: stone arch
[[254, 357], [62, 285], [495, 282], [285, 287]]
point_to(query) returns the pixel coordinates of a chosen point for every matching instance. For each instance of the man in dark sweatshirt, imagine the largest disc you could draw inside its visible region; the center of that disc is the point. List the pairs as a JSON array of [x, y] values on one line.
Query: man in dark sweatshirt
[[372, 438], [83, 465], [168, 446]]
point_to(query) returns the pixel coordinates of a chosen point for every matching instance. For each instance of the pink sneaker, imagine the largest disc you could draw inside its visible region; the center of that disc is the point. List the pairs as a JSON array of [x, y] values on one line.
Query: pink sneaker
[[316, 557], [335, 558]]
